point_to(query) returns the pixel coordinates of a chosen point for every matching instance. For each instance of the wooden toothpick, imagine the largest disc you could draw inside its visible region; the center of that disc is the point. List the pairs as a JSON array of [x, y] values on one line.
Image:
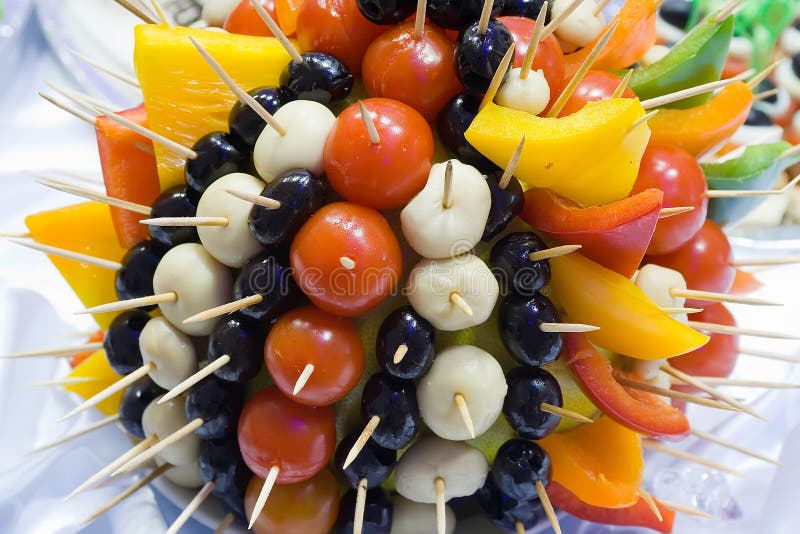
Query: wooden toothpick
[[277, 32], [511, 168], [362, 440], [200, 375], [82, 115], [666, 213], [463, 409], [163, 443], [191, 508], [186, 221], [400, 353], [715, 328], [441, 511], [556, 22], [258, 200], [136, 11], [533, 44], [497, 79], [70, 255], [128, 492], [130, 304], [567, 414], [116, 387], [61, 351], [225, 309], [548, 507], [553, 252], [303, 379], [672, 394], [486, 14], [733, 446], [693, 91], [263, 495], [89, 194], [461, 304], [121, 76], [567, 327], [623, 84], [447, 194], [711, 296], [69, 437], [369, 123], [683, 455], [419, 20]]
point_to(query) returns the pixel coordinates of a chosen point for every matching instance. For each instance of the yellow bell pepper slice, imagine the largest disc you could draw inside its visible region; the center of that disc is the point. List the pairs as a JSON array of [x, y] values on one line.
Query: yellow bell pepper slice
[[600, 463], [97, 368], [86, 228], [590, 157], [630, 323], [184, 98]]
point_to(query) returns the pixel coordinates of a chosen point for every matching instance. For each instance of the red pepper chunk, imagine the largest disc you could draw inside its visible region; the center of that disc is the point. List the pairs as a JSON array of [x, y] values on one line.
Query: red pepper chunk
[[638, 515], [615, 235], [129, 172], [644, 414]]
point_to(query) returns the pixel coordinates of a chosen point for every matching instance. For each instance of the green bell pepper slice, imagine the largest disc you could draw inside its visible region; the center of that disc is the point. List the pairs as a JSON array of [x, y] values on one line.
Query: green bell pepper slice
[[757, 169], [696, 59]]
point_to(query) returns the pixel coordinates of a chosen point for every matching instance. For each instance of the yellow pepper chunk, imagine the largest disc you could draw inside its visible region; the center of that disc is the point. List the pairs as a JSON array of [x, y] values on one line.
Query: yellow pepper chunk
[[184, 98], [97, 368], [600, 463], [591, 157], [630, 323], [86, 228]]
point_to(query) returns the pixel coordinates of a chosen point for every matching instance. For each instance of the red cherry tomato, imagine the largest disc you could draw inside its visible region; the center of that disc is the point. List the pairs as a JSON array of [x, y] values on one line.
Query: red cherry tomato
[[277, 432], [336, 27], [419, 72], [718, 356], [384, 175], [597, 85], [335, 235], [677, 173], [705, 262], [311, 336], [549, 56], [78, 358], [245, 20], [308, 507]]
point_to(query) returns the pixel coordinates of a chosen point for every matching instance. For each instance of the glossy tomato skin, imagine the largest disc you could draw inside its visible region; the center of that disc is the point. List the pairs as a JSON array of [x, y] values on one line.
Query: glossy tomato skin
[[308, 507], [346, 230], [418, 72], [718, 356], [597, 85], [275, 431], [338, 28], [677, 173], [245, 20], [705, 262], [311, 336], [549, 56], [383, 176]]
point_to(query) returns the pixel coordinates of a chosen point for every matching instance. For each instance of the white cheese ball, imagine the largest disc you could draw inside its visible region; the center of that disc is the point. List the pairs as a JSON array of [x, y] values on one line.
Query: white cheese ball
[[786, 78], [307, 125], [653, 54], [233, 244], [164, 419], [409, 517], [432, 283], [462, 468], [582, 26], [438, 232], [471, 372], [200, 281], [756, 135], [790, 41], [185, 476], [216, 11], [170, 350], [531, 94]]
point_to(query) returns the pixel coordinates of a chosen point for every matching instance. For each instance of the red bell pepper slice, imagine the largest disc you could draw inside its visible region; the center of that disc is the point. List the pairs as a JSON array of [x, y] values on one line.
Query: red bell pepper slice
[[615, 235], [638, 515], [644, 413], [79, 357], [129, 172]]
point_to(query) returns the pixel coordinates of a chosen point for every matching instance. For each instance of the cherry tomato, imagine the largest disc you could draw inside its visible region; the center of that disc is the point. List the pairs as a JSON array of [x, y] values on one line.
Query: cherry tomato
[[277, 432], [384, 175], [718, 356], [419, 72], [597, 85], [336, 27], [245, 20], [549, 56], [705, 262], [677, 173], [78, 358], [308, 507], [311, 336], [326, 244], [286, 12]]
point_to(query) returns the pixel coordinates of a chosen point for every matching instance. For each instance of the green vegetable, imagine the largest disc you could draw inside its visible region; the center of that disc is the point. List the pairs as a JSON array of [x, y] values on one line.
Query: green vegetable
[[697, 59], [758, 168]]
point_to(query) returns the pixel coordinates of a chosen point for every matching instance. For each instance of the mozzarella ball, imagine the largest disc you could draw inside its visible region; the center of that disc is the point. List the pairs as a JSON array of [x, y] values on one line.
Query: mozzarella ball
[[471, 372], [438, 232], [653, 54], [785, 77], [200, 282], [582, 26], [307, 125], [778, 109], [462, 468], [162, 420], [216, 11], [185, 476], [232, 244], [170, 350], [531, 94], [432, 284], [790, 41], [741, 48], [756, 135], [409, 517]]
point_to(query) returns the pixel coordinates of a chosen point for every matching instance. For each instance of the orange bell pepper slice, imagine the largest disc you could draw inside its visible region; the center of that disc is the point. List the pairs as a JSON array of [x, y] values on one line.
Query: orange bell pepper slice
[[745, 282], [615, 235], [286, 12], [600, 463], [80, 357], [84, 228], [699, 128], [634, 36]]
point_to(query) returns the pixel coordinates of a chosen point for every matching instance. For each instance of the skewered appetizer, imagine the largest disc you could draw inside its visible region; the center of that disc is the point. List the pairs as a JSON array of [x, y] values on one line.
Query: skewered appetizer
[[306, 292]]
